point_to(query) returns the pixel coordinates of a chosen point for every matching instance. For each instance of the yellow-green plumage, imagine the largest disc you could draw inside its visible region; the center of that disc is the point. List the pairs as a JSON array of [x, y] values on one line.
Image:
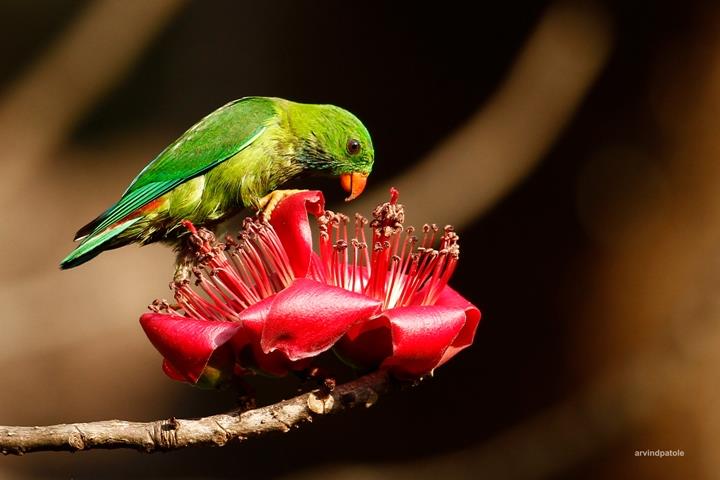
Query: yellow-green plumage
[[227, 161]]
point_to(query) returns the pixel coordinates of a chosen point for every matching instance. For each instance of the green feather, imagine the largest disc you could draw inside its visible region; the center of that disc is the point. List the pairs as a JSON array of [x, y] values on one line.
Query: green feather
[[214, 139], [89, 248], [227, 161]]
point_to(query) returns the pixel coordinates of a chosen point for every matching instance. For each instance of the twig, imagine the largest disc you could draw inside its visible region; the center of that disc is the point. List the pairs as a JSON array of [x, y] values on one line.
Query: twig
[[215, 430]]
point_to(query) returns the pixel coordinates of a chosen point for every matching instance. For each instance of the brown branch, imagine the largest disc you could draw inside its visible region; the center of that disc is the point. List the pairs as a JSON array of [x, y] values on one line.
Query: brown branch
[[215, 430]]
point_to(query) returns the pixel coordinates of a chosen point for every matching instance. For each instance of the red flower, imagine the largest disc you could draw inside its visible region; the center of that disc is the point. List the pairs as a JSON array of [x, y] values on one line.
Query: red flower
[[270, 303]]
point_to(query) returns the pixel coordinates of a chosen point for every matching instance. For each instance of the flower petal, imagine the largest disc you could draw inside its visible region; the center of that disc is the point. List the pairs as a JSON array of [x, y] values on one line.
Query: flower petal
[[421, 335], [275, 364], [186, 343], [290, 221], [412, 340], [247, 342], [254, 317], [367, 344], [308, 317], [450, 298], [171, 372]]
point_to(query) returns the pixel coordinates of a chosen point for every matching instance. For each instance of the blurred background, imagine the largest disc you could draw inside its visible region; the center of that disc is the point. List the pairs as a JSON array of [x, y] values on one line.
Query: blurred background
[[574, 145]]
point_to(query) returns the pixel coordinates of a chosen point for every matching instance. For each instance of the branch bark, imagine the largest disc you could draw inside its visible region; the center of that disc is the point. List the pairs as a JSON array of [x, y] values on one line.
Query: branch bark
[[215, 430]]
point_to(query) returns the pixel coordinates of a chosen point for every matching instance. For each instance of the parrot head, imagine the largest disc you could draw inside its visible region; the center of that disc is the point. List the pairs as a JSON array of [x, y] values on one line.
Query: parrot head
[[338, 144]]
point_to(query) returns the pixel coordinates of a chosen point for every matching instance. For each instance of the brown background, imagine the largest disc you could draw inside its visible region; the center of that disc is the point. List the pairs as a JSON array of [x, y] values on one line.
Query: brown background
[[574, 145]]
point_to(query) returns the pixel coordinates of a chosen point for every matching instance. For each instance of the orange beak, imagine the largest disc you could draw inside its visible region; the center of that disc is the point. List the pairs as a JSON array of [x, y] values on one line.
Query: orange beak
[[353, 183]]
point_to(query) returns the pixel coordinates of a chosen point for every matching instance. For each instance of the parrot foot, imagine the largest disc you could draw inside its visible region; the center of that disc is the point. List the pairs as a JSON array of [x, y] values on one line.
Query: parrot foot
[[267, 204], [184, 263]]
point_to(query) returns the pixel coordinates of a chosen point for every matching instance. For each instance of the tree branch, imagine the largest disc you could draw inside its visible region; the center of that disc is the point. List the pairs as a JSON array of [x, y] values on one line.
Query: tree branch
[[215, 430]]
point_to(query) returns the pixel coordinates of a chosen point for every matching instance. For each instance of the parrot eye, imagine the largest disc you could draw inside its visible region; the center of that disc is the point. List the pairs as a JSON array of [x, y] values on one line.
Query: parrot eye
[[353, 146]]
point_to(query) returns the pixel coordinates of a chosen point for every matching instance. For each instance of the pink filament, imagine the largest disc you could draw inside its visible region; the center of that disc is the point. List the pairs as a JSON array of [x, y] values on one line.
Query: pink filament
[[234, 275], [401, 269]]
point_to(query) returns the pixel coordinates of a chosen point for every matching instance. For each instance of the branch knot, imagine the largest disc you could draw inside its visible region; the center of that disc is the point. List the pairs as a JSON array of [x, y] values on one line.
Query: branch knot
[[215, 430]]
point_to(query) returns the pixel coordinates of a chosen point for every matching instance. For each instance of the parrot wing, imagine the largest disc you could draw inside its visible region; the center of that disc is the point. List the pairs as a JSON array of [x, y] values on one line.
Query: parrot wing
[[214, 139]]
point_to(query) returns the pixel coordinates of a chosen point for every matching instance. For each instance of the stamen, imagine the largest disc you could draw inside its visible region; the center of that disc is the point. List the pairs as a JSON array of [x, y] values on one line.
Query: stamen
[[239, 302], [233, 275], [211, 290], [360, 224], [401, 269], [160, 306], [341, 263], [353, 273]]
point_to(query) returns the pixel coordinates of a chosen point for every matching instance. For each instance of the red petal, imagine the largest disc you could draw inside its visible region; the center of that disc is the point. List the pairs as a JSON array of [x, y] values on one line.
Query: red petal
[[290, 221], [421, 335], [253, 359], [308, 317], [413, 340], [367, 344], [253, 318], [450, 298], [186, 343], [171, 372], [247, 343]]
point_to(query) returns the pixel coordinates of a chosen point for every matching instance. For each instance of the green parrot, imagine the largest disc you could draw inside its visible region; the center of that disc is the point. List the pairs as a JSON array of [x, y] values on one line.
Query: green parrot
[[235, 157]]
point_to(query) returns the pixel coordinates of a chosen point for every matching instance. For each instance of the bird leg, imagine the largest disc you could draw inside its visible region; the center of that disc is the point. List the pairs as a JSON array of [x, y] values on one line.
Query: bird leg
[[267, 204], [185, 261]]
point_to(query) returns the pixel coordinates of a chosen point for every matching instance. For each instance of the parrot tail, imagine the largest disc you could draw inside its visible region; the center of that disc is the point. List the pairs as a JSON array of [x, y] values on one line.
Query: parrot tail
[[94, 244]]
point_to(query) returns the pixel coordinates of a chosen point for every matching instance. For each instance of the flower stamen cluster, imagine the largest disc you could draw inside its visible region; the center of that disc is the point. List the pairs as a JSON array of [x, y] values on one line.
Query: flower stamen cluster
[[233, 275], [401, 270], [264, 301]]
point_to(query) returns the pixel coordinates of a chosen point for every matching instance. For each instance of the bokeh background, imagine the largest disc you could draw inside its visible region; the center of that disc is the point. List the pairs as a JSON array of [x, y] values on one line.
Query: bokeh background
[[574, 145]]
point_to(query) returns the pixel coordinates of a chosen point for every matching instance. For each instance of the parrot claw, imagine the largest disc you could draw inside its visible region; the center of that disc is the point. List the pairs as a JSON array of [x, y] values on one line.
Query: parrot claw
[[267, 204]]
